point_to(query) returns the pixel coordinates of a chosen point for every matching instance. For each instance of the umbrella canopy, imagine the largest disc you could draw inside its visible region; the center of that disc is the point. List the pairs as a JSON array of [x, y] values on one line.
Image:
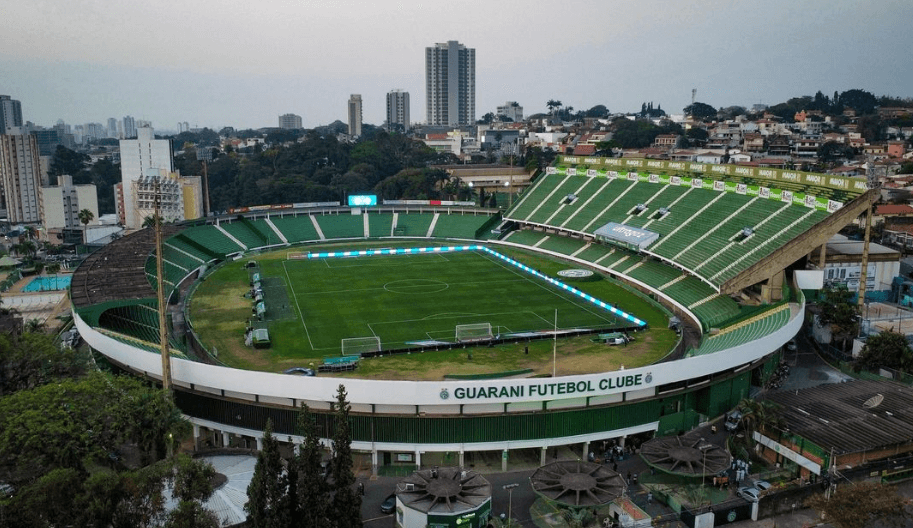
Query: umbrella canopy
[[7, 262]]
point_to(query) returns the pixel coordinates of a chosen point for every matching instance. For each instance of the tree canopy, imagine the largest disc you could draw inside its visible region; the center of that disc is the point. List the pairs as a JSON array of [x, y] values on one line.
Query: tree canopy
[[700, 110], [885, 350], [863, 504]]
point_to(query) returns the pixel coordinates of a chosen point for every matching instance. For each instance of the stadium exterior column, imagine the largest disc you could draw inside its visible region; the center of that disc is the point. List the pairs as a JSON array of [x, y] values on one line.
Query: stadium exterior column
[[196, 436], [621, 441], [226, 441], [462, 458], [374, 462], [418, 459], [586, 450], [504, 461], [260, 443], [542, 458]]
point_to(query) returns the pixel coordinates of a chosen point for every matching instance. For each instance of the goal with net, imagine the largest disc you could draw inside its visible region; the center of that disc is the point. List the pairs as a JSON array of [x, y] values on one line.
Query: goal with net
[[473, 332], [353, 346]]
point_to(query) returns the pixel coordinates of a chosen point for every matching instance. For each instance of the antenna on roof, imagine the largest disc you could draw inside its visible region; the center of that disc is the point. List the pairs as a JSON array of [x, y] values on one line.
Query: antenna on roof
[[693, 95]]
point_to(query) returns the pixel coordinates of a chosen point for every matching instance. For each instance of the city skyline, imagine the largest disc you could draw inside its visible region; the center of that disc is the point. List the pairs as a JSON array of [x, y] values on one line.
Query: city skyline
[[618, 54]]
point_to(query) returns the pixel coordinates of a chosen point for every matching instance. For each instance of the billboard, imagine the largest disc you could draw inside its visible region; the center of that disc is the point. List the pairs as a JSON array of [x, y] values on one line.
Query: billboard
[[362, 200]]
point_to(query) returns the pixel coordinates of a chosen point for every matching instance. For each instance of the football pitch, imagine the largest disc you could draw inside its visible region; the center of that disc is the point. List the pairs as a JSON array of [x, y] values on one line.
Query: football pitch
[[403, 299]]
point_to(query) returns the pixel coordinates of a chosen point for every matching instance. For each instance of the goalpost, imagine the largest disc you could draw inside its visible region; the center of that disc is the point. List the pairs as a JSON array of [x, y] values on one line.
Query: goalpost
[[473, 332], [353, 346]]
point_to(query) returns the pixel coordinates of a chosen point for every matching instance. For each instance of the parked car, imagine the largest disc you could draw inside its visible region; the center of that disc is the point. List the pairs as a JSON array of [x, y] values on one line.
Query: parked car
[[300, 371], [762, 485], [732, 420], [389, 504], [749, 494]]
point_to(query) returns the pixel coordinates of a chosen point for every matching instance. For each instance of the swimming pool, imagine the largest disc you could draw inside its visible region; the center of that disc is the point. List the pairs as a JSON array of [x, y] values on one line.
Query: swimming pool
[[56, 282]]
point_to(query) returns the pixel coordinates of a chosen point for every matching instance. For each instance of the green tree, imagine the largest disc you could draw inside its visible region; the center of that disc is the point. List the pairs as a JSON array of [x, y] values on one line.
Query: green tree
[[863, 504], [66, 161], [599, 111], [265, 493], [149, 221], [79, 423], [701, 111], [192, 486], [840, 313], [831, 151], [31, 360], [312, 490], [886, 349], [553, 105], [85, 216], [345, 508]]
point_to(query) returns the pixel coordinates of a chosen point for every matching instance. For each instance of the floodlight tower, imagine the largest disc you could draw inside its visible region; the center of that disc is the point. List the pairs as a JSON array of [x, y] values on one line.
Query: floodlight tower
[[873, 183], [160, 283]]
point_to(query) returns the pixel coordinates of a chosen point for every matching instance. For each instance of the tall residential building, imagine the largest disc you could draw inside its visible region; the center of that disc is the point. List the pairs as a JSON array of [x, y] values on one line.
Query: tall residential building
[[64, 201], [129, 127], [180, 198], [290, 121], [20, 176], [112, 127], [10, 113], [355, 115], [512, 111], [142, 160], [398, 110], [450, 84]]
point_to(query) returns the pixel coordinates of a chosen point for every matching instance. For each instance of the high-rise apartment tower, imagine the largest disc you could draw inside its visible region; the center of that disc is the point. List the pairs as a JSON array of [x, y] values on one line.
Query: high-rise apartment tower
[[355, 115], [450, 84], [398, 110], [10, 113], [20, 176]]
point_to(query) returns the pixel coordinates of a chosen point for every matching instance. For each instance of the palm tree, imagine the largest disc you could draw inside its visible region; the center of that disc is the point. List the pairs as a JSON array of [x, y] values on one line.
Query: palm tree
[[34, 326], [553, 105], [85, 216], [149, 221]]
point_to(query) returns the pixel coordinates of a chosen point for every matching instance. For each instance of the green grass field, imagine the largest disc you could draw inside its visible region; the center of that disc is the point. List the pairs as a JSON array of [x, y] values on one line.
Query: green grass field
[[407, 298], [419, 297]]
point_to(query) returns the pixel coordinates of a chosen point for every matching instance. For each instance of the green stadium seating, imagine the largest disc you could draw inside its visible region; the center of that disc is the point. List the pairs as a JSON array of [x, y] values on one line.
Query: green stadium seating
[[296, 228], [212, 239], [525, 237], [564, 245], [744, 332], [380, 224], [244, 233], [341, 225], [458, 225], [414, 224]]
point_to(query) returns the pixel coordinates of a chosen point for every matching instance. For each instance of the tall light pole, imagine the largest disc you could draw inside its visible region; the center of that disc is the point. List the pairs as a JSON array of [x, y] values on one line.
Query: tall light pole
[[510, 500], [160, 291]]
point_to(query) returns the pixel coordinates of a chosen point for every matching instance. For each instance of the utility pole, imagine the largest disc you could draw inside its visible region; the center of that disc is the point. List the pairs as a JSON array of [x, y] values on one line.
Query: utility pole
[[160, 283], [510, 501]]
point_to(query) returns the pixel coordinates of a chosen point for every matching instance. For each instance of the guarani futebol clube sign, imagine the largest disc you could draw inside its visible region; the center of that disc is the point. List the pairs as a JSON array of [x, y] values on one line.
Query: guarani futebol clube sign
[[550, 389]]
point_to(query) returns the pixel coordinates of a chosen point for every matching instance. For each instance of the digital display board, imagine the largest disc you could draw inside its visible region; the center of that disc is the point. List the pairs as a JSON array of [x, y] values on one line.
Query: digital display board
[[362, 200]]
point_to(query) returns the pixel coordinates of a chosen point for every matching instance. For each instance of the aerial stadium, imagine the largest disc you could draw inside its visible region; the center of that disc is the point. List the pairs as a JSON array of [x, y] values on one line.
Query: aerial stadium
[[613, 298]]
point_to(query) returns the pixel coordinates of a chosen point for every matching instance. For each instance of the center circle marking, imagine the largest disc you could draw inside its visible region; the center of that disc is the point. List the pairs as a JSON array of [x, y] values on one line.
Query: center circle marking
[[416, 286]]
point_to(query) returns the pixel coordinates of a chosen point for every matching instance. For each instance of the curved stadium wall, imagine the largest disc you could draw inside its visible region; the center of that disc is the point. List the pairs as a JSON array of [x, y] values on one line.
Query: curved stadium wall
[[437, 415]]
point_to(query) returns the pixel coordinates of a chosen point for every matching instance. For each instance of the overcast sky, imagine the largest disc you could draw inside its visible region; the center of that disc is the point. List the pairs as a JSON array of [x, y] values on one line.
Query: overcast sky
[[245, 62]]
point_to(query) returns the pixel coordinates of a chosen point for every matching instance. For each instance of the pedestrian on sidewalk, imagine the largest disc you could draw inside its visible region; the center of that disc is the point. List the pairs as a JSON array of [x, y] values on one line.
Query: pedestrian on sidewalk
[[649, 497], [629, 478]]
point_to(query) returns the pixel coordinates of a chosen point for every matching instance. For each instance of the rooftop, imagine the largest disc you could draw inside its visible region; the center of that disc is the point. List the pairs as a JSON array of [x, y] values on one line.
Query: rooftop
[[850, 417]]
